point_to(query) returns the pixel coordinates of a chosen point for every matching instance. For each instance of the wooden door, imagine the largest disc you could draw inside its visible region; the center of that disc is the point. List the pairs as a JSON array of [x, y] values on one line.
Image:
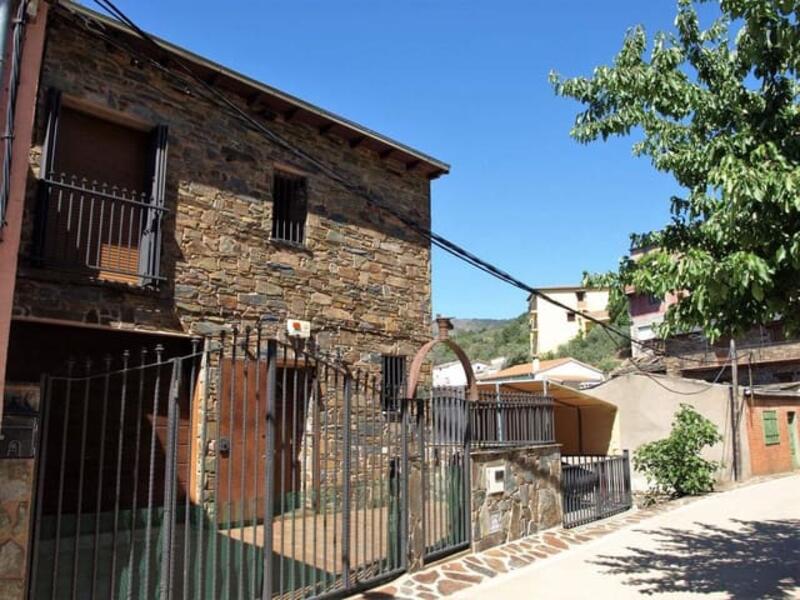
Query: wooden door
[[242, 465]]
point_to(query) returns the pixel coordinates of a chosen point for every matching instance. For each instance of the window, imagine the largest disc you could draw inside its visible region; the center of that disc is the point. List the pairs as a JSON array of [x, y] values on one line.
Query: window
[[581, 296], [289, 207], [393, 379], [570, 316], [769, 419], [101, 195]]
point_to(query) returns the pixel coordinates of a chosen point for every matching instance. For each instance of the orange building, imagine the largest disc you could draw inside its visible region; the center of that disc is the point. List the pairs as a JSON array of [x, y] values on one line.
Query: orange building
[[773, 428]]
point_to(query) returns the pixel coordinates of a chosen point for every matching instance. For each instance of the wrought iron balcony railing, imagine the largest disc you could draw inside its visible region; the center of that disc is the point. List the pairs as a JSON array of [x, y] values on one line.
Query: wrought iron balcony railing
[[106, 232]]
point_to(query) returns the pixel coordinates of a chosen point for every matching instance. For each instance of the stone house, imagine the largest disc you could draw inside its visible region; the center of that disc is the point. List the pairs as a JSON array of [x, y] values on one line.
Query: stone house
[[155, 212], [148, 211]]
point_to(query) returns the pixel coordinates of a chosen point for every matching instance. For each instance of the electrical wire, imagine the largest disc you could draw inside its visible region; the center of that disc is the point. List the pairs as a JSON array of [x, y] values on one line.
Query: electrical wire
[[372, 199]]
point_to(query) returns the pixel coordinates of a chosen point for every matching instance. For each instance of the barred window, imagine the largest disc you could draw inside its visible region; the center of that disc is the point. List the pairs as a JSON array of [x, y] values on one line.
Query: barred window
[[289, 207], [393, 378]]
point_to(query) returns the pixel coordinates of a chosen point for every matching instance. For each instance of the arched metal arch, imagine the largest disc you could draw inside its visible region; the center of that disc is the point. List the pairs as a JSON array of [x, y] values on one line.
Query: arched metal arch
[[416, 364]]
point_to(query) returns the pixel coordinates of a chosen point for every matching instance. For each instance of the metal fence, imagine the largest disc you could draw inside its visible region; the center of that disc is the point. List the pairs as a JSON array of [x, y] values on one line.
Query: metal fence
[[594, 487], [511, 419], [249, 468], [442, 435], [109, 233]]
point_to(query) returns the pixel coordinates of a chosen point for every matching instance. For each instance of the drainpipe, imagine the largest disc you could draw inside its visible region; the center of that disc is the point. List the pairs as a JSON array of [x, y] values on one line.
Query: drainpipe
[[5, 11]]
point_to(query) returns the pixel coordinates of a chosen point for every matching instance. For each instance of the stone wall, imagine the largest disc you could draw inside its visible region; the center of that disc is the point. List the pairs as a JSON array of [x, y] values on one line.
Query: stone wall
[[361, 278], [765, 353], [530, 501], [16, 489]]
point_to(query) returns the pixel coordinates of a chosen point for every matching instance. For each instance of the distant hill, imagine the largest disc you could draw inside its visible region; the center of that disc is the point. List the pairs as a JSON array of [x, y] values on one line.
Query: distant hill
[[484, 339], [462, 325]]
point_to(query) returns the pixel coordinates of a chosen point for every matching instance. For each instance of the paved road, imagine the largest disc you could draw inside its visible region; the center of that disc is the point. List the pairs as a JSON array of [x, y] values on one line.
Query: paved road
[[740, 544]]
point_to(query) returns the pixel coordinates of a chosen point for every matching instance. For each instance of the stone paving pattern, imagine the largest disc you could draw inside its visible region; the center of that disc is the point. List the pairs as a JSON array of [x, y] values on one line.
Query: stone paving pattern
[[449, 577]]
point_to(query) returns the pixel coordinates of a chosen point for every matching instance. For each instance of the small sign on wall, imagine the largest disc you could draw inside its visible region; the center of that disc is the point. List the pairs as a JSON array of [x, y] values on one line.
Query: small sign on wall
[[495, 522]]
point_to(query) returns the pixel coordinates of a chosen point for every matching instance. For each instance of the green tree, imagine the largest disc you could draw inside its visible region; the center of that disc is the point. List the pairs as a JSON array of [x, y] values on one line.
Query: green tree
[[720, 113], [674, 465]]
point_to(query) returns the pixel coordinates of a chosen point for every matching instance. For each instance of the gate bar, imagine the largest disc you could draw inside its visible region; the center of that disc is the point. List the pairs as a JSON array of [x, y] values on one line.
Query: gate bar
[[269, 508], [346, 450]]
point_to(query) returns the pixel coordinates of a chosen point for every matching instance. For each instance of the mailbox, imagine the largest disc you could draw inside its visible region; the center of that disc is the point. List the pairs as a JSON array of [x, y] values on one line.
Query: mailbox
[[20, 421]]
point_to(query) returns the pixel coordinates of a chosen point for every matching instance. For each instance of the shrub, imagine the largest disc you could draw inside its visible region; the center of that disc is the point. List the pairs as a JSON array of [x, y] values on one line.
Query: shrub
[[673, 465]]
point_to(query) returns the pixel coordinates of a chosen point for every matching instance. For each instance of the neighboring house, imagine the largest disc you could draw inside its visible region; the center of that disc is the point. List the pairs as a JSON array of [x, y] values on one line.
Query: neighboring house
[[451, 374], [567, 371], [773, 427], [765, 353], [552, 326]]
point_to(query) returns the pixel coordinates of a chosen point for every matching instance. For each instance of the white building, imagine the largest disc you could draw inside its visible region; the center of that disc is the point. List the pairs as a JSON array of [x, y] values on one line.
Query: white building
[[552, 326], [451, 374], [567, 371]]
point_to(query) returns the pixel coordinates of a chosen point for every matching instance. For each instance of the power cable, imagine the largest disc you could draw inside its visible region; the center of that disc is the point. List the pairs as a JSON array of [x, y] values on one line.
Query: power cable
[[372, 199]]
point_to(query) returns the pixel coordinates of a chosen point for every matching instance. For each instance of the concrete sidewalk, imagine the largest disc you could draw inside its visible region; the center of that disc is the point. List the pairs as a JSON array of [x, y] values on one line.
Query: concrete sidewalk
[[740, 544]]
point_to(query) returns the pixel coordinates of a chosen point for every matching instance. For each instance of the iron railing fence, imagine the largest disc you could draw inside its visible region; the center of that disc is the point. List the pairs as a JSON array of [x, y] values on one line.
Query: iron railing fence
[[594, 487], [106, 232], [249, 468], [442, 435], [509, 419]]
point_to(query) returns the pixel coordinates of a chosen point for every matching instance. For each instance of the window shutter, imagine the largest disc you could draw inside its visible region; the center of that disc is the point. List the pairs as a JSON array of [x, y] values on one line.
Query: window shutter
[[46, 168], [150, 247], [50, 133], [769, 419]]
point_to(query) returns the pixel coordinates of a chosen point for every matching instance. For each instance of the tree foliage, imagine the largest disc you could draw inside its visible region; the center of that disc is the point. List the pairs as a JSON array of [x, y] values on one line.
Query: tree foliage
[[717, 108], [674, 465], [596, 348]]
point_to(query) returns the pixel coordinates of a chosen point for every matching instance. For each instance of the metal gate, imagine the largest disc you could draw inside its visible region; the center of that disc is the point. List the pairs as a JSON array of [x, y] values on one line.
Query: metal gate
[[443, 439], [594, 487], [249, 468]]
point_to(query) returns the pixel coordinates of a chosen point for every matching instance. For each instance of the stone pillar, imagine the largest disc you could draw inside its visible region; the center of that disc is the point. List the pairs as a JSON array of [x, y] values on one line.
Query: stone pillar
[[530, 500], [16, 494]]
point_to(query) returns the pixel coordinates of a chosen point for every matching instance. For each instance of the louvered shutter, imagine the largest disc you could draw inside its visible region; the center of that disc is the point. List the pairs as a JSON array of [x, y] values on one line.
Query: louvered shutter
[[770, 422], [150, 246], [46, 169]]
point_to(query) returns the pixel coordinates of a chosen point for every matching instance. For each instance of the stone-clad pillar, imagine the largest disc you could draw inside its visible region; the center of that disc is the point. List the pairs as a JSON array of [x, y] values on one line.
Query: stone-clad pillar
[[16, 493]]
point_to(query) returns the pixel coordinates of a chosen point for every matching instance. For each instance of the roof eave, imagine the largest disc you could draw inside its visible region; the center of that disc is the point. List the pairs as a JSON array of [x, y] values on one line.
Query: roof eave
[[436, 168]]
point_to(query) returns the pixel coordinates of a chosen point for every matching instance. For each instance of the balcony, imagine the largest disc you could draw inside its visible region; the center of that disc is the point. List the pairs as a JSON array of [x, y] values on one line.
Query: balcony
[[98, 231]]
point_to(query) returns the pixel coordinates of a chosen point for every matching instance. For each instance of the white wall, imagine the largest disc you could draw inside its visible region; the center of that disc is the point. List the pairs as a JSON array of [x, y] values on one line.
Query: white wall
[[571, 370], [645, 411], [452, 374]]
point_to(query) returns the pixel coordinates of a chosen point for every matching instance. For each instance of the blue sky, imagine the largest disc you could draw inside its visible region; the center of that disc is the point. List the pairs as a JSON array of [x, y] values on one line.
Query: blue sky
[[465, 81]]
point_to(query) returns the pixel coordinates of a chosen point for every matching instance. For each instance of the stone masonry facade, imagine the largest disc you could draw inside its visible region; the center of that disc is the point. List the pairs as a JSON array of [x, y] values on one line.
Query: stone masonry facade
[[361, 277], [531, 498]]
